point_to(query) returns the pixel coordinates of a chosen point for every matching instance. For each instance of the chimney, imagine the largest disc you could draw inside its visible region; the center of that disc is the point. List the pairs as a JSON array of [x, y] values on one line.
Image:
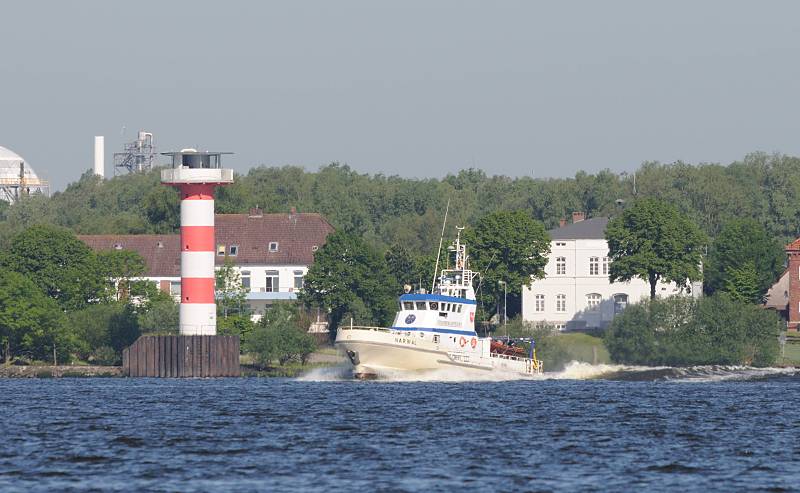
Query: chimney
[[562, 222], [256, 212], [578, 217], [99, 156]]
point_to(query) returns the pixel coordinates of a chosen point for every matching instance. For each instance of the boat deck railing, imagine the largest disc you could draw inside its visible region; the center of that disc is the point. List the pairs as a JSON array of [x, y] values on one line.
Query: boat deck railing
[[531, 365], [364, 327]]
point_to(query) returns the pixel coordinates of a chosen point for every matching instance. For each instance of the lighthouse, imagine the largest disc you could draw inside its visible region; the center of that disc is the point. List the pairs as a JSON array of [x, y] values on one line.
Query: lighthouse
[[195, 174]]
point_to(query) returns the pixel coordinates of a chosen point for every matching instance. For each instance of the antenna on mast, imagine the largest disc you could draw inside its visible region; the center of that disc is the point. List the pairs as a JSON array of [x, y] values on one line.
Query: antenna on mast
[[439, 251]]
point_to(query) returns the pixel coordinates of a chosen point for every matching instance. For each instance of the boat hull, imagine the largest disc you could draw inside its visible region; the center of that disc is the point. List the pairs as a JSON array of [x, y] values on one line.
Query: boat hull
[[376, 352]]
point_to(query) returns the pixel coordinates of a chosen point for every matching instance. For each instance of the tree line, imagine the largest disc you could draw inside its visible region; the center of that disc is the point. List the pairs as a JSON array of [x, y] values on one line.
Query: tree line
[[387, 228]]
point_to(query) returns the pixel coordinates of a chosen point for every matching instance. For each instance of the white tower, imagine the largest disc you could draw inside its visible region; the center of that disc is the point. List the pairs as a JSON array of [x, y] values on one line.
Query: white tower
[[196, 174], [99, 156]]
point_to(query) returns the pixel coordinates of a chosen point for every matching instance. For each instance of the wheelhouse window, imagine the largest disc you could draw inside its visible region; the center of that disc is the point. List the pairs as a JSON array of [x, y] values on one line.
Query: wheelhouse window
[[561, 266], [561, 303], [539, 307], [272, 284], [593, 300], [246, 279], [420, 305], [408, 305], [594, 266], [620, 302]]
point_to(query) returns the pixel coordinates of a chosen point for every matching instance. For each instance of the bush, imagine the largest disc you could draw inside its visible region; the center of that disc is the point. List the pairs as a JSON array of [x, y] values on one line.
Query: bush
[[680, 331], [105, 356], [280, 336]]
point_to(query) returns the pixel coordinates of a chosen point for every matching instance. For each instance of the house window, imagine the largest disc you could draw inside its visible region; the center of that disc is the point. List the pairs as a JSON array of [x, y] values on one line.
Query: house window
[[539, 303], [175, 288], [594, 266], [221, 250], [561, 243], [561, 303], [273, 246], [298, 280], [561, 265], [620, 302], [246, 279], [272, 281], [233, 250], [605, 266], [593, 300]]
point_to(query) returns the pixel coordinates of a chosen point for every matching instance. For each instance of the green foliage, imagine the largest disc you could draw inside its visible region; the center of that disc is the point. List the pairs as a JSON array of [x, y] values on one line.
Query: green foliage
[[236, 325], [653, 241], [31, 324], [112, 324], [231, 296], [158, 316], [122, 266], [409, 268], [280, 336], [104, 355], [62, 266], [682, 331], [510, 247], [744, 260], [348, 277]]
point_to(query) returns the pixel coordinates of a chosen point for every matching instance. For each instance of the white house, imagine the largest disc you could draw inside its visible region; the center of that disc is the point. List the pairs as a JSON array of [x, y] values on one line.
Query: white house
[[576, 293], [272, 253]]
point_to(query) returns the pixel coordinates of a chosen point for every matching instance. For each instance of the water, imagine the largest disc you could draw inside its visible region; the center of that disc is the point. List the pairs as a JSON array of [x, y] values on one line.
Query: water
[[716, 429]]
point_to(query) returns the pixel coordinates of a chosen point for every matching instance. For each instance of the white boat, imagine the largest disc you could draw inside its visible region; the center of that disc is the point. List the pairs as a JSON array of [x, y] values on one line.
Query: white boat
[[435, 331]]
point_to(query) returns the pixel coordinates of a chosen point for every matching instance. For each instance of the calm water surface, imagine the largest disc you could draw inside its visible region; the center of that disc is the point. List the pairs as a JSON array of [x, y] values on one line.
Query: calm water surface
[[283, 435]]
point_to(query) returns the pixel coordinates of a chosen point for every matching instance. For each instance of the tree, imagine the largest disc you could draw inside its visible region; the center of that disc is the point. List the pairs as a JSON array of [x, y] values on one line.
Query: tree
[[507, 247], [120, 266], [347, 276], [158, 316], [408, 268], [651, 240], [113, 324], [30, 322], [61, 265], [744, 260], [231, 295], [280, 336], [682, 331]]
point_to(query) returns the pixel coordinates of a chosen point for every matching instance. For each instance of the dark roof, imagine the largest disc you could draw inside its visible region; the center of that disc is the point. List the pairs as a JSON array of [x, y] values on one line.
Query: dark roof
[[296, 234], [588, 229], [161, 253]]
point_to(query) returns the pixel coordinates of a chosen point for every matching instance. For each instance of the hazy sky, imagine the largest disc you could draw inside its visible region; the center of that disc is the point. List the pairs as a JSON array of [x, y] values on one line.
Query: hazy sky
[[417, 89]]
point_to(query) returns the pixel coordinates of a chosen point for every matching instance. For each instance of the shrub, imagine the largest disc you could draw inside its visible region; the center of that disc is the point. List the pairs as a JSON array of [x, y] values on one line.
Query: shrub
[[680, 331]]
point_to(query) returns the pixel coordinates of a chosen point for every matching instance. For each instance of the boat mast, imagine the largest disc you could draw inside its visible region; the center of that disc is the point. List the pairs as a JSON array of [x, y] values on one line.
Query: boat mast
[[439, 251]]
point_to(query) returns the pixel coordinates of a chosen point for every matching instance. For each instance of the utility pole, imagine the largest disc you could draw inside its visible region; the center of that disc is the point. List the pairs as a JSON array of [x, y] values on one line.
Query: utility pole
[[505, 301]]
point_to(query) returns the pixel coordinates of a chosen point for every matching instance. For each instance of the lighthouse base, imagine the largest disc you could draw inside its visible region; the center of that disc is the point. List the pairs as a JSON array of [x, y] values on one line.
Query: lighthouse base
[[182, 357]]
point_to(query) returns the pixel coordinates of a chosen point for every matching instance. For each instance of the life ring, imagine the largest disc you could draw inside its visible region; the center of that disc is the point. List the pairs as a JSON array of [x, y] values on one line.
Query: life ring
[[463, 341], [473, 343]]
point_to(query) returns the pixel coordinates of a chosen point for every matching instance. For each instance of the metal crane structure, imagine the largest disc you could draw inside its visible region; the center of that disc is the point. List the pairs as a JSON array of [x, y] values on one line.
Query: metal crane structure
[[139, 155]]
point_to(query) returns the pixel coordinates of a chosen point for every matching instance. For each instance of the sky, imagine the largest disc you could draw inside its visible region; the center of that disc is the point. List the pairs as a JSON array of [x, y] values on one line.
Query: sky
[[413, 88]]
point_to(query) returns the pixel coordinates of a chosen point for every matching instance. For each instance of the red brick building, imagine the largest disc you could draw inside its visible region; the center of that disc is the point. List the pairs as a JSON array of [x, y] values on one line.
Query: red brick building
[[784, 295]]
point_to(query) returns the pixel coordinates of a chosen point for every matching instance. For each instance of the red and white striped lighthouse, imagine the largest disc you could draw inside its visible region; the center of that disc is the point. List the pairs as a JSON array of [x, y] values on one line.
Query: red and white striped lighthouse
[[196, 174]]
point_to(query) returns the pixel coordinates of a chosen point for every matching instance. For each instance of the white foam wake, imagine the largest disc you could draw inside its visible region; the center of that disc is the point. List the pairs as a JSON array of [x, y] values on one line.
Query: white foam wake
[[575, 370]]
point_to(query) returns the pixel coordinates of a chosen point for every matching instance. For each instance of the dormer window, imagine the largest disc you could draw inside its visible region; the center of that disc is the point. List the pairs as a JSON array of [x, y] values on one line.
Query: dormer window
[[233, 250], [117, 246], [221, 250], [273, 246], [314, 248], [159, 244]]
